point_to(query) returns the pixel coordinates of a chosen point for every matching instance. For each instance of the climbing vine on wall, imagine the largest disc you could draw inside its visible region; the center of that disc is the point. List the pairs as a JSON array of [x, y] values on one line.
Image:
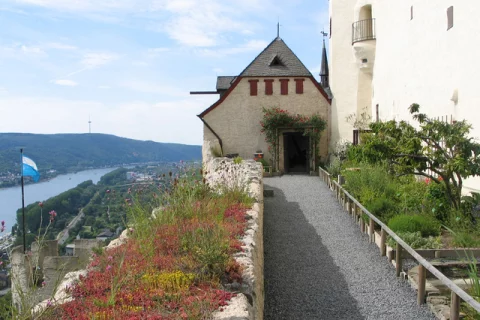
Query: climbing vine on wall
[[274, 118]]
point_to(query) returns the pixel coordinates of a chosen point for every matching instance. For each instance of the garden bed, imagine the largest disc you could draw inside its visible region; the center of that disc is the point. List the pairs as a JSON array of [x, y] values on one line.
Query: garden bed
[[195, 254]]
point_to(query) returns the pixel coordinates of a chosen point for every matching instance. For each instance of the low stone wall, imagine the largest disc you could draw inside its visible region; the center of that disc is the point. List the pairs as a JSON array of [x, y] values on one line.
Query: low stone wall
[[221, 173], [50, 267]]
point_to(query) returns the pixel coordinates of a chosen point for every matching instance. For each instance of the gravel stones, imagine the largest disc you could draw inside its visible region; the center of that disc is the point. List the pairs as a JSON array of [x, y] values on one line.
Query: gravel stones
[[319, 266]]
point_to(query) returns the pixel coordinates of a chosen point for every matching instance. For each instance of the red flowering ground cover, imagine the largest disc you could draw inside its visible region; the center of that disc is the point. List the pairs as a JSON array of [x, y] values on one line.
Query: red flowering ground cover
[[172, 266]]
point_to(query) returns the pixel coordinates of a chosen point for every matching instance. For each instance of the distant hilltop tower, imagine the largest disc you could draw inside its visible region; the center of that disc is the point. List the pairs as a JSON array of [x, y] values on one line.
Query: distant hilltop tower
[[89, 125]]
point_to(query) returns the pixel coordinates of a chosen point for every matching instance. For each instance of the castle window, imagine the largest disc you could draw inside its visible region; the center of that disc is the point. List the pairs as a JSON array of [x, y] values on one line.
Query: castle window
[[284, 86], [450, 18], [411, 13], [299, 86], [253, 87], [268, 87]]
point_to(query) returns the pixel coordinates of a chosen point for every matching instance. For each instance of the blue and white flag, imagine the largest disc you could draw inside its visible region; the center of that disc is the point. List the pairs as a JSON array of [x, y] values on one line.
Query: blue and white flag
[[30, 169]]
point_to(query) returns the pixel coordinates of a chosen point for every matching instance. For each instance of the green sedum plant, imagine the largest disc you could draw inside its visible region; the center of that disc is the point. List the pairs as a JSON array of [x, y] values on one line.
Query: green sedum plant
[[416, 241], [426, 225], [237, 160]]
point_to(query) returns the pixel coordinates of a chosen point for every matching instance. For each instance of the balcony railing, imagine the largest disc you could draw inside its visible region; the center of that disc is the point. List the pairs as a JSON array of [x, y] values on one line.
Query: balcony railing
[[363, 30]]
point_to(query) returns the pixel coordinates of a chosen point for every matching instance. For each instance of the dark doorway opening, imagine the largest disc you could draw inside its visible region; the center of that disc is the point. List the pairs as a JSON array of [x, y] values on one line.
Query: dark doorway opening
[[296, 152]]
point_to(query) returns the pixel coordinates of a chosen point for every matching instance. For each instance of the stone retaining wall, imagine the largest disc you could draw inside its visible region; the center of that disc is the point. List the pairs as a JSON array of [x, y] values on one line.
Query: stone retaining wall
[[50, 267], [221, 173]]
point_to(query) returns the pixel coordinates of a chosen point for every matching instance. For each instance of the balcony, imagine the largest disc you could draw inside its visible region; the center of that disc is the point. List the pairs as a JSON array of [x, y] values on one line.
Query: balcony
[[363, 30]]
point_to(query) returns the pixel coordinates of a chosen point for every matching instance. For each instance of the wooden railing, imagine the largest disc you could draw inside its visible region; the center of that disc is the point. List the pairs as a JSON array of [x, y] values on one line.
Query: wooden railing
[[356, 209]]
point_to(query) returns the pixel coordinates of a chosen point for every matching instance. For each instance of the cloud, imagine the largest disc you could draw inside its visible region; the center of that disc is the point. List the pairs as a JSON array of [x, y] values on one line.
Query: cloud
[[3, 91], [156, 88], [201, 24], [252, 45], [95, 60], [189, 22], [65, 82], [30, 50], [138, 63], [19, 51], [155, 51], [104, 87], [80, 6], [60, 46]]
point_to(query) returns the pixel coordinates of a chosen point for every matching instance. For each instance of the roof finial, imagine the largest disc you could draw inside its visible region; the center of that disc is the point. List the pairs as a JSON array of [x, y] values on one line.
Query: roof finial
[[324, 35], [278, 28]]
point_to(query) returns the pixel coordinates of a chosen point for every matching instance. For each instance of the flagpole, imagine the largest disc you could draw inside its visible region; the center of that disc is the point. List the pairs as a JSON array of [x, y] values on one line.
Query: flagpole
[[23, 208]]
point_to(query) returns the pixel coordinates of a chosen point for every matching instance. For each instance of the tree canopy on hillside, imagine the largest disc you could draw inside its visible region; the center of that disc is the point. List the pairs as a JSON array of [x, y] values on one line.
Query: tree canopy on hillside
[[74, 152]]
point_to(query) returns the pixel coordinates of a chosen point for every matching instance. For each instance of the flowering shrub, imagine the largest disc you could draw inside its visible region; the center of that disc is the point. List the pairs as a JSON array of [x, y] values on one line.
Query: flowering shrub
[[172, 266], [274, 118]]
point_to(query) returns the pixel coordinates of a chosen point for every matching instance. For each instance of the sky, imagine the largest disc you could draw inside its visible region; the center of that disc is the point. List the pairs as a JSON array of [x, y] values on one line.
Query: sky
[[129, 65]]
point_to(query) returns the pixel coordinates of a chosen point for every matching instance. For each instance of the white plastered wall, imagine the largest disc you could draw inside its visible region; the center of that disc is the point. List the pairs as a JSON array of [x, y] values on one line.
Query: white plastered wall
[[416, 61]]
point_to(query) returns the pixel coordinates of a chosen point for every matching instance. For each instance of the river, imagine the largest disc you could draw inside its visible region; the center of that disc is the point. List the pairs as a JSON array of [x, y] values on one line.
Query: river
[[11, 198]]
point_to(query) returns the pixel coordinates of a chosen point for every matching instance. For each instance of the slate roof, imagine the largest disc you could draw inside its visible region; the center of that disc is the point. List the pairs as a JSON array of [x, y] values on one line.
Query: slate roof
[[224, 82], [106, 234], [264, 65]]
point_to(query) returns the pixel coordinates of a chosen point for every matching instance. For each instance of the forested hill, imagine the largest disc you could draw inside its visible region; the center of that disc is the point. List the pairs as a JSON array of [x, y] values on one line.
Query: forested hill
[[73, 152]]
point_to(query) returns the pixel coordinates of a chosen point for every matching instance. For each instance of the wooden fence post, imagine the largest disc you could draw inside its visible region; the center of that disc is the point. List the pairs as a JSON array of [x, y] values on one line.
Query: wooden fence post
[[422, 281], [390, 256], [383, 240], [455, 307], [362, 224], [398, 259], [371, 229]]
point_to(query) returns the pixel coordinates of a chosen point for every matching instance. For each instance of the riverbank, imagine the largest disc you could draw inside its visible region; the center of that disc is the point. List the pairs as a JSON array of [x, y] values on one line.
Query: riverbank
[[52, 174], [11, 198]]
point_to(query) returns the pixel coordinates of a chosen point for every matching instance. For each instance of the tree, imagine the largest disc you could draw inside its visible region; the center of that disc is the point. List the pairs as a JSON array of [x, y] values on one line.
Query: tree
[[440, 151]]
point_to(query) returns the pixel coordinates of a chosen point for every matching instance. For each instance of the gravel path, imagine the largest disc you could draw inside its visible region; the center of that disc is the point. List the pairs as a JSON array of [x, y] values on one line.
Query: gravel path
[[319, 266]]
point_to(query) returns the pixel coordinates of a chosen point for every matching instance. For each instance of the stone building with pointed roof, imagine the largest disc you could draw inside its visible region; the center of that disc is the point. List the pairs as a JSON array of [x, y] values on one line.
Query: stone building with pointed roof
[[275, 78]]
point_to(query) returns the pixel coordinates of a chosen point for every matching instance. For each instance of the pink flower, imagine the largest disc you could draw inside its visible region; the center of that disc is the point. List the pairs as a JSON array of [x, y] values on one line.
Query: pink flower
[[1, 262], [110, 258], [40, 204], [52, 214], [108, 268], [44, 284], [49, 303]]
